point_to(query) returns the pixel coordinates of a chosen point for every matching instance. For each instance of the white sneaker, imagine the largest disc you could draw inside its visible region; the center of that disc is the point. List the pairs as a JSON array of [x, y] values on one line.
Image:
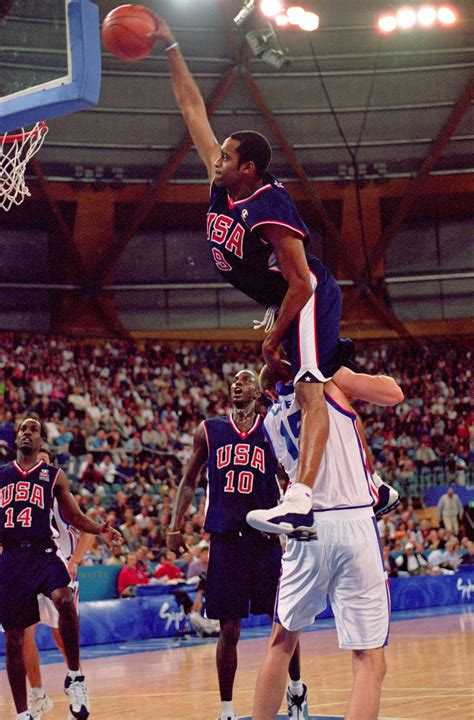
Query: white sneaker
[[38, 703], [297, 704], [78, 694], [227, 716], [293, 515]]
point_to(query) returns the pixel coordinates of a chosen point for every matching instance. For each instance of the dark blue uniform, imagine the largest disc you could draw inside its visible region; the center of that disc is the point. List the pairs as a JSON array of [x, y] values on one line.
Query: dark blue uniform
[[248, 262], [30, 562], [244, 566]]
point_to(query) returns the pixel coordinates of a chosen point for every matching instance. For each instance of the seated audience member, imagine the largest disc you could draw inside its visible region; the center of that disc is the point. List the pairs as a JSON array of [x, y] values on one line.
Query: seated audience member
[[167, 570], [389, 562], [117, 557], [446, 558], [198, 566], [98, 554], [130, 576], [107, 468], [412, 562], [468, 557]]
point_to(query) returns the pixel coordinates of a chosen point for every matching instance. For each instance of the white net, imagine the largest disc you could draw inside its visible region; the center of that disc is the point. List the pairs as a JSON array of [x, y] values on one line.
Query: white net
[[15, 152]]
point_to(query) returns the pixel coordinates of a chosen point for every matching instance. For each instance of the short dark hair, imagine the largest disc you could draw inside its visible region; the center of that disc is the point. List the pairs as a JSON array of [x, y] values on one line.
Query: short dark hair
[[255, 147]]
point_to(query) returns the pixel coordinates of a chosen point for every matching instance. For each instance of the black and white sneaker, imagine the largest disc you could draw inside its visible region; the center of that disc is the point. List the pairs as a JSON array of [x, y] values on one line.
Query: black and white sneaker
[[293, 515], [78, 694], [389, 499], [297, 704]]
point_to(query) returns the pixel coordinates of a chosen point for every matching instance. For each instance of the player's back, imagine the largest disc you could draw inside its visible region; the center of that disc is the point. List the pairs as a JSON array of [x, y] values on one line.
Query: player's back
[[343, 479], [242, 472], [25, 501]]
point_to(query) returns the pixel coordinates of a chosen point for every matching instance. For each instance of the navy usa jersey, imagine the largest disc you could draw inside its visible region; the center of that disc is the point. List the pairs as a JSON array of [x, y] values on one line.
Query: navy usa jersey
[[26, 498], [242, 472], [242, 257]]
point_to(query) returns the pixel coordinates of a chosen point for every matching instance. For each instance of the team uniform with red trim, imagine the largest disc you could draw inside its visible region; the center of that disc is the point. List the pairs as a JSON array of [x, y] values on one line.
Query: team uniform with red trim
[[244, 566], [31, 562], [345, 560], [247, 261]]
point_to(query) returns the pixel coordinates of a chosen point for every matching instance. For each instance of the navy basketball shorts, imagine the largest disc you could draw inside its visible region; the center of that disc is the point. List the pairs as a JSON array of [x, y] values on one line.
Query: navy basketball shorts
[[242, 576], [24, 574], [312, 341]]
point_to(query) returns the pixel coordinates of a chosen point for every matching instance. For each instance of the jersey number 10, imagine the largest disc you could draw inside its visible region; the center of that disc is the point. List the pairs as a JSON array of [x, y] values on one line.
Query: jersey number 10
[[244, 482]]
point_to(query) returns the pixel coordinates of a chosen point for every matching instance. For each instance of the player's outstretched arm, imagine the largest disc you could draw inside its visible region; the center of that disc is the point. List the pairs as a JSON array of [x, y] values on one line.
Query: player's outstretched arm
[[376, 389], [72, 513], [86, 541], [189, 98], [187, 488]]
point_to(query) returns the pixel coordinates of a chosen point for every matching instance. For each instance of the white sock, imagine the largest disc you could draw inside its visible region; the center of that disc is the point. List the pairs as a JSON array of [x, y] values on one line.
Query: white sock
[[24, 716], [227, 707], [377, 479], [296, 687], [74, 674], [39, 691], [299, 490]]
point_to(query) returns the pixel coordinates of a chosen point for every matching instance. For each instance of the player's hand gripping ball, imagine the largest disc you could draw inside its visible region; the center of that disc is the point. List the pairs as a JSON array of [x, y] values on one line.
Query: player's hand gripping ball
[[125, 32]]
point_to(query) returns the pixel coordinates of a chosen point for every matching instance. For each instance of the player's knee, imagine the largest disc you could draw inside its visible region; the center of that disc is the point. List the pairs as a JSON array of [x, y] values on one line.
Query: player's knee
[[63, 602], [371, 661], [230, 632], [285, 639], [14, 641]]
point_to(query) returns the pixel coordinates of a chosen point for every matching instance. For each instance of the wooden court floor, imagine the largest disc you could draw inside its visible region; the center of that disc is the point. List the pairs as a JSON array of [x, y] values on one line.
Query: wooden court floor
[[430, 677]]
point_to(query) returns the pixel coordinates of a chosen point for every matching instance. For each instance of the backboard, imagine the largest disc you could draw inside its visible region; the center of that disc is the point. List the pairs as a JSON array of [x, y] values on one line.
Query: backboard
[[50, 62]]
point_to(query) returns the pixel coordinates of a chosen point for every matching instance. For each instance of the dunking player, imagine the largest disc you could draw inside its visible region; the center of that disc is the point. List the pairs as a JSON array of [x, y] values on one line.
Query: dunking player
[[344, 560], [244, 566], [31, 564], [257, 240], [73, 549]]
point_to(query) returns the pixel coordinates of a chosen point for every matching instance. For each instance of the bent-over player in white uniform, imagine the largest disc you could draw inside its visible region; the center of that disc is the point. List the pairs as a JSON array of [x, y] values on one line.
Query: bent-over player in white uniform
[[344, 561], [73, 545]]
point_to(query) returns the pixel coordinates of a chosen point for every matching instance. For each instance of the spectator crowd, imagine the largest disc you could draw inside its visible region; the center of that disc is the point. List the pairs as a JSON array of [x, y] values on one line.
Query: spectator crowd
[[120, 417]]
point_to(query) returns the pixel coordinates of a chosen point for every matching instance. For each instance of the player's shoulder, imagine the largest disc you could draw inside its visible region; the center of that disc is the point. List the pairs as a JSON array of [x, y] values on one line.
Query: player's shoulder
[[6, 468], [216, 422]]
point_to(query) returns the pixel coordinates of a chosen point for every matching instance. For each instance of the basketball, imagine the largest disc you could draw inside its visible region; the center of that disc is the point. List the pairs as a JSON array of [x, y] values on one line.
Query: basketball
[[125, 30]]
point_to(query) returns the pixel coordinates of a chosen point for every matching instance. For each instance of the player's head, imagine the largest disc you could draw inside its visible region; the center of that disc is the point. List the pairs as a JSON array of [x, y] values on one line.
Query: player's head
[[45, 454], [244, 389], [243, 161], [269, 377], [253, 147], [30, 436]]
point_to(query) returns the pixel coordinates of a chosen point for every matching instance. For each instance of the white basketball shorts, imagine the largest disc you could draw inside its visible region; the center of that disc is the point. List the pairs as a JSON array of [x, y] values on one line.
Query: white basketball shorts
[[345, 562], [48, 613]]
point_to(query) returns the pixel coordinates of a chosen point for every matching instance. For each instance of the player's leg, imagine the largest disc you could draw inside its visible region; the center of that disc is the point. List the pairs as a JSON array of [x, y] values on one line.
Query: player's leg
[[226, 662], [38, 701], [368, 669], [314, 339], [227, 600], [16, 670], [74, 685], [271, 679], [297, 692]]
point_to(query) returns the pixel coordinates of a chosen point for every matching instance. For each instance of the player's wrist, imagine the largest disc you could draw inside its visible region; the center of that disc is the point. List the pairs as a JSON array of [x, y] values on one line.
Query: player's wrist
[[170, 44]]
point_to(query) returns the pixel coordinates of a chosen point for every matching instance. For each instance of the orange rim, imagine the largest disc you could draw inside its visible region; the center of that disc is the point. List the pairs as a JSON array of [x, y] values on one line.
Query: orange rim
[[24, 136]]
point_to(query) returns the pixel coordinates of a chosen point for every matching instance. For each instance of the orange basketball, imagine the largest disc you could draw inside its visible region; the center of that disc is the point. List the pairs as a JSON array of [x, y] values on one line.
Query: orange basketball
[[125, 30]]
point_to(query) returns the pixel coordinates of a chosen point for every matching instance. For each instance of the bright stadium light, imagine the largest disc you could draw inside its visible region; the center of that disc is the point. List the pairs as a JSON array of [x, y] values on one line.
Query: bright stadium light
[[295, 14], [426, 16], [406, 18], [447, 15], [387, 23], [271, 8], [281, 20], [309, 22]]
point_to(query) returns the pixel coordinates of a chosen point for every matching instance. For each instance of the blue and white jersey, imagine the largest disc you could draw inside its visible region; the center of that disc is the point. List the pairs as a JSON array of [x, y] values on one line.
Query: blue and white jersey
[[240, 253], [242, 472], [344, 479], [64, 535]]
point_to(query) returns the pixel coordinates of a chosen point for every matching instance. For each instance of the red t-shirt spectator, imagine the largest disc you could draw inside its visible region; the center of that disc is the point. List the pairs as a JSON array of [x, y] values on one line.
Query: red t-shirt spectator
[[173, 572], [131, 574]]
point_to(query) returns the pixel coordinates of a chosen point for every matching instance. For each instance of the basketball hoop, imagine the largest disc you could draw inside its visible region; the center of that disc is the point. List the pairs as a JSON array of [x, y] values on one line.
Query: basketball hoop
[[15, 152]]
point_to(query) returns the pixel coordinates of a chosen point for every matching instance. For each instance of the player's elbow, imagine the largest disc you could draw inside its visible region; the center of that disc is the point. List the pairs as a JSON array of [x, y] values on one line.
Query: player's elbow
[[395, 394]]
